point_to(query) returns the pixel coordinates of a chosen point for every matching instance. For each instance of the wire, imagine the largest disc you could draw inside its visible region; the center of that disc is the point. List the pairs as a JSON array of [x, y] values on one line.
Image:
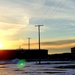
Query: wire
[[60, 8], [47, 10], [55, 11]]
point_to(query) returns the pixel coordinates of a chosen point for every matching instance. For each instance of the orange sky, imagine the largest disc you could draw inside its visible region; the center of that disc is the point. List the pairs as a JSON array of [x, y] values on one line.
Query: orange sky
[[19, 17]]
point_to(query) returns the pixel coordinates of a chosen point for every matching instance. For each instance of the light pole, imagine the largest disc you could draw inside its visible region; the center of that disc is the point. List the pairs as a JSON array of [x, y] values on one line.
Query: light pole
[[39, 39]]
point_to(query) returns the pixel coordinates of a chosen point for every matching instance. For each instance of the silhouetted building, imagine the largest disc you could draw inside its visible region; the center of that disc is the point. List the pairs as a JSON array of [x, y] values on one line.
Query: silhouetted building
[[62, 57], [35, 54], [23, 54], [8, 54], [73, 50]]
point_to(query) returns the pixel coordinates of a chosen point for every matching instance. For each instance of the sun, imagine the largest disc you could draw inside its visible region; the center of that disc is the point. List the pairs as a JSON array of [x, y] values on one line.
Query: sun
[[1, 45]]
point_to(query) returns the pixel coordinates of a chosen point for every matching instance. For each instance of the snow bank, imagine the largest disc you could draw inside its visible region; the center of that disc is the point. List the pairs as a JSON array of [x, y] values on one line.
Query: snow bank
[[15, 61]]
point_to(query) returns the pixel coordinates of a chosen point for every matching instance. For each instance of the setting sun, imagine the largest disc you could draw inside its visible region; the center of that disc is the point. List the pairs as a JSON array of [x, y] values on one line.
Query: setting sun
[[1, 45]]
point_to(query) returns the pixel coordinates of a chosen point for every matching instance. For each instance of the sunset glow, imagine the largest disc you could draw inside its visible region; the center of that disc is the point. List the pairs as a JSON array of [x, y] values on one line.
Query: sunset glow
[[19, 17], [1, 45]]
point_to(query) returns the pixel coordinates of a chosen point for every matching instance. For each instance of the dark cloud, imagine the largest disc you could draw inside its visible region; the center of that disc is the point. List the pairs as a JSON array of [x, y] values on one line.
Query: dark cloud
[[60, 42]]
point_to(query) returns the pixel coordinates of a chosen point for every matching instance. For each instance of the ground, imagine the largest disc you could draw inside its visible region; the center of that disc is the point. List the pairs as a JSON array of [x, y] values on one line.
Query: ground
[[33, 68]]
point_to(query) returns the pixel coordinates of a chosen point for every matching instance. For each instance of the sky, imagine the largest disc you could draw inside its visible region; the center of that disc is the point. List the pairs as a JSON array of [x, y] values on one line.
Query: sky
[[19, 17]]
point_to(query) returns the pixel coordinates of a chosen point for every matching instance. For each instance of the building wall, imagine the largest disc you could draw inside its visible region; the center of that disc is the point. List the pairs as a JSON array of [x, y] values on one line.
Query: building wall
[[35, 54], [73, 50], [23, 54]]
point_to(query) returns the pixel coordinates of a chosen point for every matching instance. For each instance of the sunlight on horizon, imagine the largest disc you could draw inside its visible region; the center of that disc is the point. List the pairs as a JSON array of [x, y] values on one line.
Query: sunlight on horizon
[[1, 45]]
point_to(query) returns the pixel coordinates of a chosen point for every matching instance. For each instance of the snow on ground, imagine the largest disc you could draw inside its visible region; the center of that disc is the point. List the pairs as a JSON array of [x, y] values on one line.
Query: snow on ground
[[31, 68]]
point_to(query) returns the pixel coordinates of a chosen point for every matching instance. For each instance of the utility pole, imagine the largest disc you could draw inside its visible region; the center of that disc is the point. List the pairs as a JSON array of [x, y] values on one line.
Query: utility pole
[[29, 43], [38, 35], [19, 47], [39, 39]]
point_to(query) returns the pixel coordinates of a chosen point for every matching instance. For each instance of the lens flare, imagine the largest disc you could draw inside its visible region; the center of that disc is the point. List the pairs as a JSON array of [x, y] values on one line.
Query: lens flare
[[21, 63]]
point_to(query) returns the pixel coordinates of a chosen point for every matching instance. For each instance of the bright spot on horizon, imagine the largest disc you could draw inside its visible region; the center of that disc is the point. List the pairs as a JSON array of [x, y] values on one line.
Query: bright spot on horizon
[[1, 45]]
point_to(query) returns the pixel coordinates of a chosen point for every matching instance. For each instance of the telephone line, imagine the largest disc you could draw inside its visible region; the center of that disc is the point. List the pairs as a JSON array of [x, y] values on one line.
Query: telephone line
[[47, 10], [51, 14], [55, 12]]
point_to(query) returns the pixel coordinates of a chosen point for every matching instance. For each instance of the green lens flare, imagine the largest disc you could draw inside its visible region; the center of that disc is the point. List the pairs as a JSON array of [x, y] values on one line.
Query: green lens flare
[[21, 63]]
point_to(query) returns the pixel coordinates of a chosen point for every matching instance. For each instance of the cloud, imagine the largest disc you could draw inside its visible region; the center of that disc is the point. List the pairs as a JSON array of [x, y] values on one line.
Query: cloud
[[54, 44], [12, 19], [19, 17], [10, 29], [59, 44]]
